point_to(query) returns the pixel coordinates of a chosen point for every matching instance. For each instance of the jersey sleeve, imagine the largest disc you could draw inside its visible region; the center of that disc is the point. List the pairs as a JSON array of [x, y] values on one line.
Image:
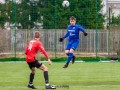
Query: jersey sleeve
[[41, 49], [81, 29], [66, 35]]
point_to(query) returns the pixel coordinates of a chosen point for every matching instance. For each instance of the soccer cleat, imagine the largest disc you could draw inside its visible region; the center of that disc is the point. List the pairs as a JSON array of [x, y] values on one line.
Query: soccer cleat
[[65, 66], [73, 59], [50, 86], [31, 86]]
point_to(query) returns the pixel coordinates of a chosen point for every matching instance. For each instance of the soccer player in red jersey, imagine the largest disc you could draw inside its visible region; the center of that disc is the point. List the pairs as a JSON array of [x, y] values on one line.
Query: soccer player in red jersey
[[32, 48]]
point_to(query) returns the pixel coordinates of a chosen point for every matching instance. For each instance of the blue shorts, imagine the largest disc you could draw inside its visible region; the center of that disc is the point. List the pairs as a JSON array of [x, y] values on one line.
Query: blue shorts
[[72, 44]]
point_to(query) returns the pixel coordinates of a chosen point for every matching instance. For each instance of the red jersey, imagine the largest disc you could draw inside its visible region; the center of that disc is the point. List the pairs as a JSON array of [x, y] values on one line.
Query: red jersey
[[32, 48]]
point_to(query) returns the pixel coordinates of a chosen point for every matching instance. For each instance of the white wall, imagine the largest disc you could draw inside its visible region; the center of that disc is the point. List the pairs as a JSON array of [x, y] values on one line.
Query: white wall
[[104, 10], [113, 4], [114, 0], [2, 1]]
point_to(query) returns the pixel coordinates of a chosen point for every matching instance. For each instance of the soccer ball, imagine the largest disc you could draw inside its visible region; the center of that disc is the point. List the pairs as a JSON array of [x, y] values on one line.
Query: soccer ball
[[65, 3]]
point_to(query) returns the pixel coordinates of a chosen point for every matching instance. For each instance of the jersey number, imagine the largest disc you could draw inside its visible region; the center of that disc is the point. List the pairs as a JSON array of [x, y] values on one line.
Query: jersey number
[[30, 45]]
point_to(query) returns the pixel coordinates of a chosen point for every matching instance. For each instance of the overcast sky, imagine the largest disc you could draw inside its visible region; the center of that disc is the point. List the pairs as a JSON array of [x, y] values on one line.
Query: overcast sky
[[2, 1]]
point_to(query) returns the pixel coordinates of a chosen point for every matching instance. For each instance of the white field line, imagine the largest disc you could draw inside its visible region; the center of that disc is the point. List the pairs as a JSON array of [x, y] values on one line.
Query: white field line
[[78, 61]]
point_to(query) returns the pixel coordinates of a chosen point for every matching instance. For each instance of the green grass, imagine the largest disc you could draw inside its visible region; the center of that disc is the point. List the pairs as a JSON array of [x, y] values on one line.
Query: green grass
[[62, 59], [79, 76]]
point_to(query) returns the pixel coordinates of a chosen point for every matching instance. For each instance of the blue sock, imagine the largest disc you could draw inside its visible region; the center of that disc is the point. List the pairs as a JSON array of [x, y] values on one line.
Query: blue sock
[[70, 56]]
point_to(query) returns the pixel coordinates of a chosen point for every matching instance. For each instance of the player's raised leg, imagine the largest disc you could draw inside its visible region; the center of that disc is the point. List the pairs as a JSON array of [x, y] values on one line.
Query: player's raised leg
[[70, 57], [46, 77], [73, 59], [67, 53]]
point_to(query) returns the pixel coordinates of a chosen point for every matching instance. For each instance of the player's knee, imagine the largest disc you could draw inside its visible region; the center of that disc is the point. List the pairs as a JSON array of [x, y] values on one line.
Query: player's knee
[[45, 68], [66, 52], [71, 51], [33, 71]]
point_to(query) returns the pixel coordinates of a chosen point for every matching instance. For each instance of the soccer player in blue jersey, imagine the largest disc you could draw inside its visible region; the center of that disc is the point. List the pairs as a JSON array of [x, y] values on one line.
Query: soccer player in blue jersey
[[73, 40]]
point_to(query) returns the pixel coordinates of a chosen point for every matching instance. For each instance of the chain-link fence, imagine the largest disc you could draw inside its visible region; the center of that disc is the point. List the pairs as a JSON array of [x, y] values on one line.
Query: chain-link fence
[[108, 42], [20, 18]]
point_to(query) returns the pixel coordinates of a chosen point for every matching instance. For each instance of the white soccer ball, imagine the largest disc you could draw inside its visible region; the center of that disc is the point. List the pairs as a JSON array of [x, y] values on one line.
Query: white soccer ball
[[65, 3]]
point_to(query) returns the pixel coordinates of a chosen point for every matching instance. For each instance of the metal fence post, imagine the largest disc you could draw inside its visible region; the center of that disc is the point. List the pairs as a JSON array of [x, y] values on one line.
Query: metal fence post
[[14, 20], [96, 28], [55, 32]]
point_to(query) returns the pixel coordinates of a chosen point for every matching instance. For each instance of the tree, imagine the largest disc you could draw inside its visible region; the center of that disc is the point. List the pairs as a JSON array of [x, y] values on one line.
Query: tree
[[2, 19], [84, 10], [54, 14], [23, 13], [116, 20]]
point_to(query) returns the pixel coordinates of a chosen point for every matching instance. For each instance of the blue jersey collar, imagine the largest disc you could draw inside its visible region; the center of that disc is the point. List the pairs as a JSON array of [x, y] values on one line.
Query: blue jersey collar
[[72, 25]]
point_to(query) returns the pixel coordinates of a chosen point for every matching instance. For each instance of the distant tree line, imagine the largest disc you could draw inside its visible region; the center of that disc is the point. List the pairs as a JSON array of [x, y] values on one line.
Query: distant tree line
[[51, 14]]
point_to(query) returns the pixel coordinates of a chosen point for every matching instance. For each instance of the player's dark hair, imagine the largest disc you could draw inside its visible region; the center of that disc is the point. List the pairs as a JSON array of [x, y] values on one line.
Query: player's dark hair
[[37, 34], [72, 18]]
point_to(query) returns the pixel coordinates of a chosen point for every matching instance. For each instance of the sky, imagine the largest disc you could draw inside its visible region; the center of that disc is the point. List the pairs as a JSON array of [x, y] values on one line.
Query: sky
[[2, 1]]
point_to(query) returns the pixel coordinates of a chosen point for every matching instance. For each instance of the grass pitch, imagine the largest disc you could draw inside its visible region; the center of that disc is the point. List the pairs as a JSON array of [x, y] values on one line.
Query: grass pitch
[[79, 76]]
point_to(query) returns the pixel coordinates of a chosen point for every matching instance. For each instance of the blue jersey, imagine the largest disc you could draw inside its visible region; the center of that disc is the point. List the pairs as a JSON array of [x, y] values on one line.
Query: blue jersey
[[73, 32]]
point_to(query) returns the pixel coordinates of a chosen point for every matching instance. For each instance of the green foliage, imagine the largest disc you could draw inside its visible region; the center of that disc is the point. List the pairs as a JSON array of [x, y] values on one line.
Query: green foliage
[[116, 20], [53, 13], [11, 59], [62, 59], [19, 13], [84, 10]]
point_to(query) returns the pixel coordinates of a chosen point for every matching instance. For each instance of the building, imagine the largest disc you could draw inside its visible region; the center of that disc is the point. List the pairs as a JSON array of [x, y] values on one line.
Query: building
[[17, 1], [111, 7]]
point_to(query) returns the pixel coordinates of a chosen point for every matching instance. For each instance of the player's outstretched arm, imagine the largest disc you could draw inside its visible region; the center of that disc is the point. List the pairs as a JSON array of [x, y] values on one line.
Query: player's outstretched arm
[[49, 61], [61, 39], [83, 30], [65, 36], [85, 34], [41, 48]]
